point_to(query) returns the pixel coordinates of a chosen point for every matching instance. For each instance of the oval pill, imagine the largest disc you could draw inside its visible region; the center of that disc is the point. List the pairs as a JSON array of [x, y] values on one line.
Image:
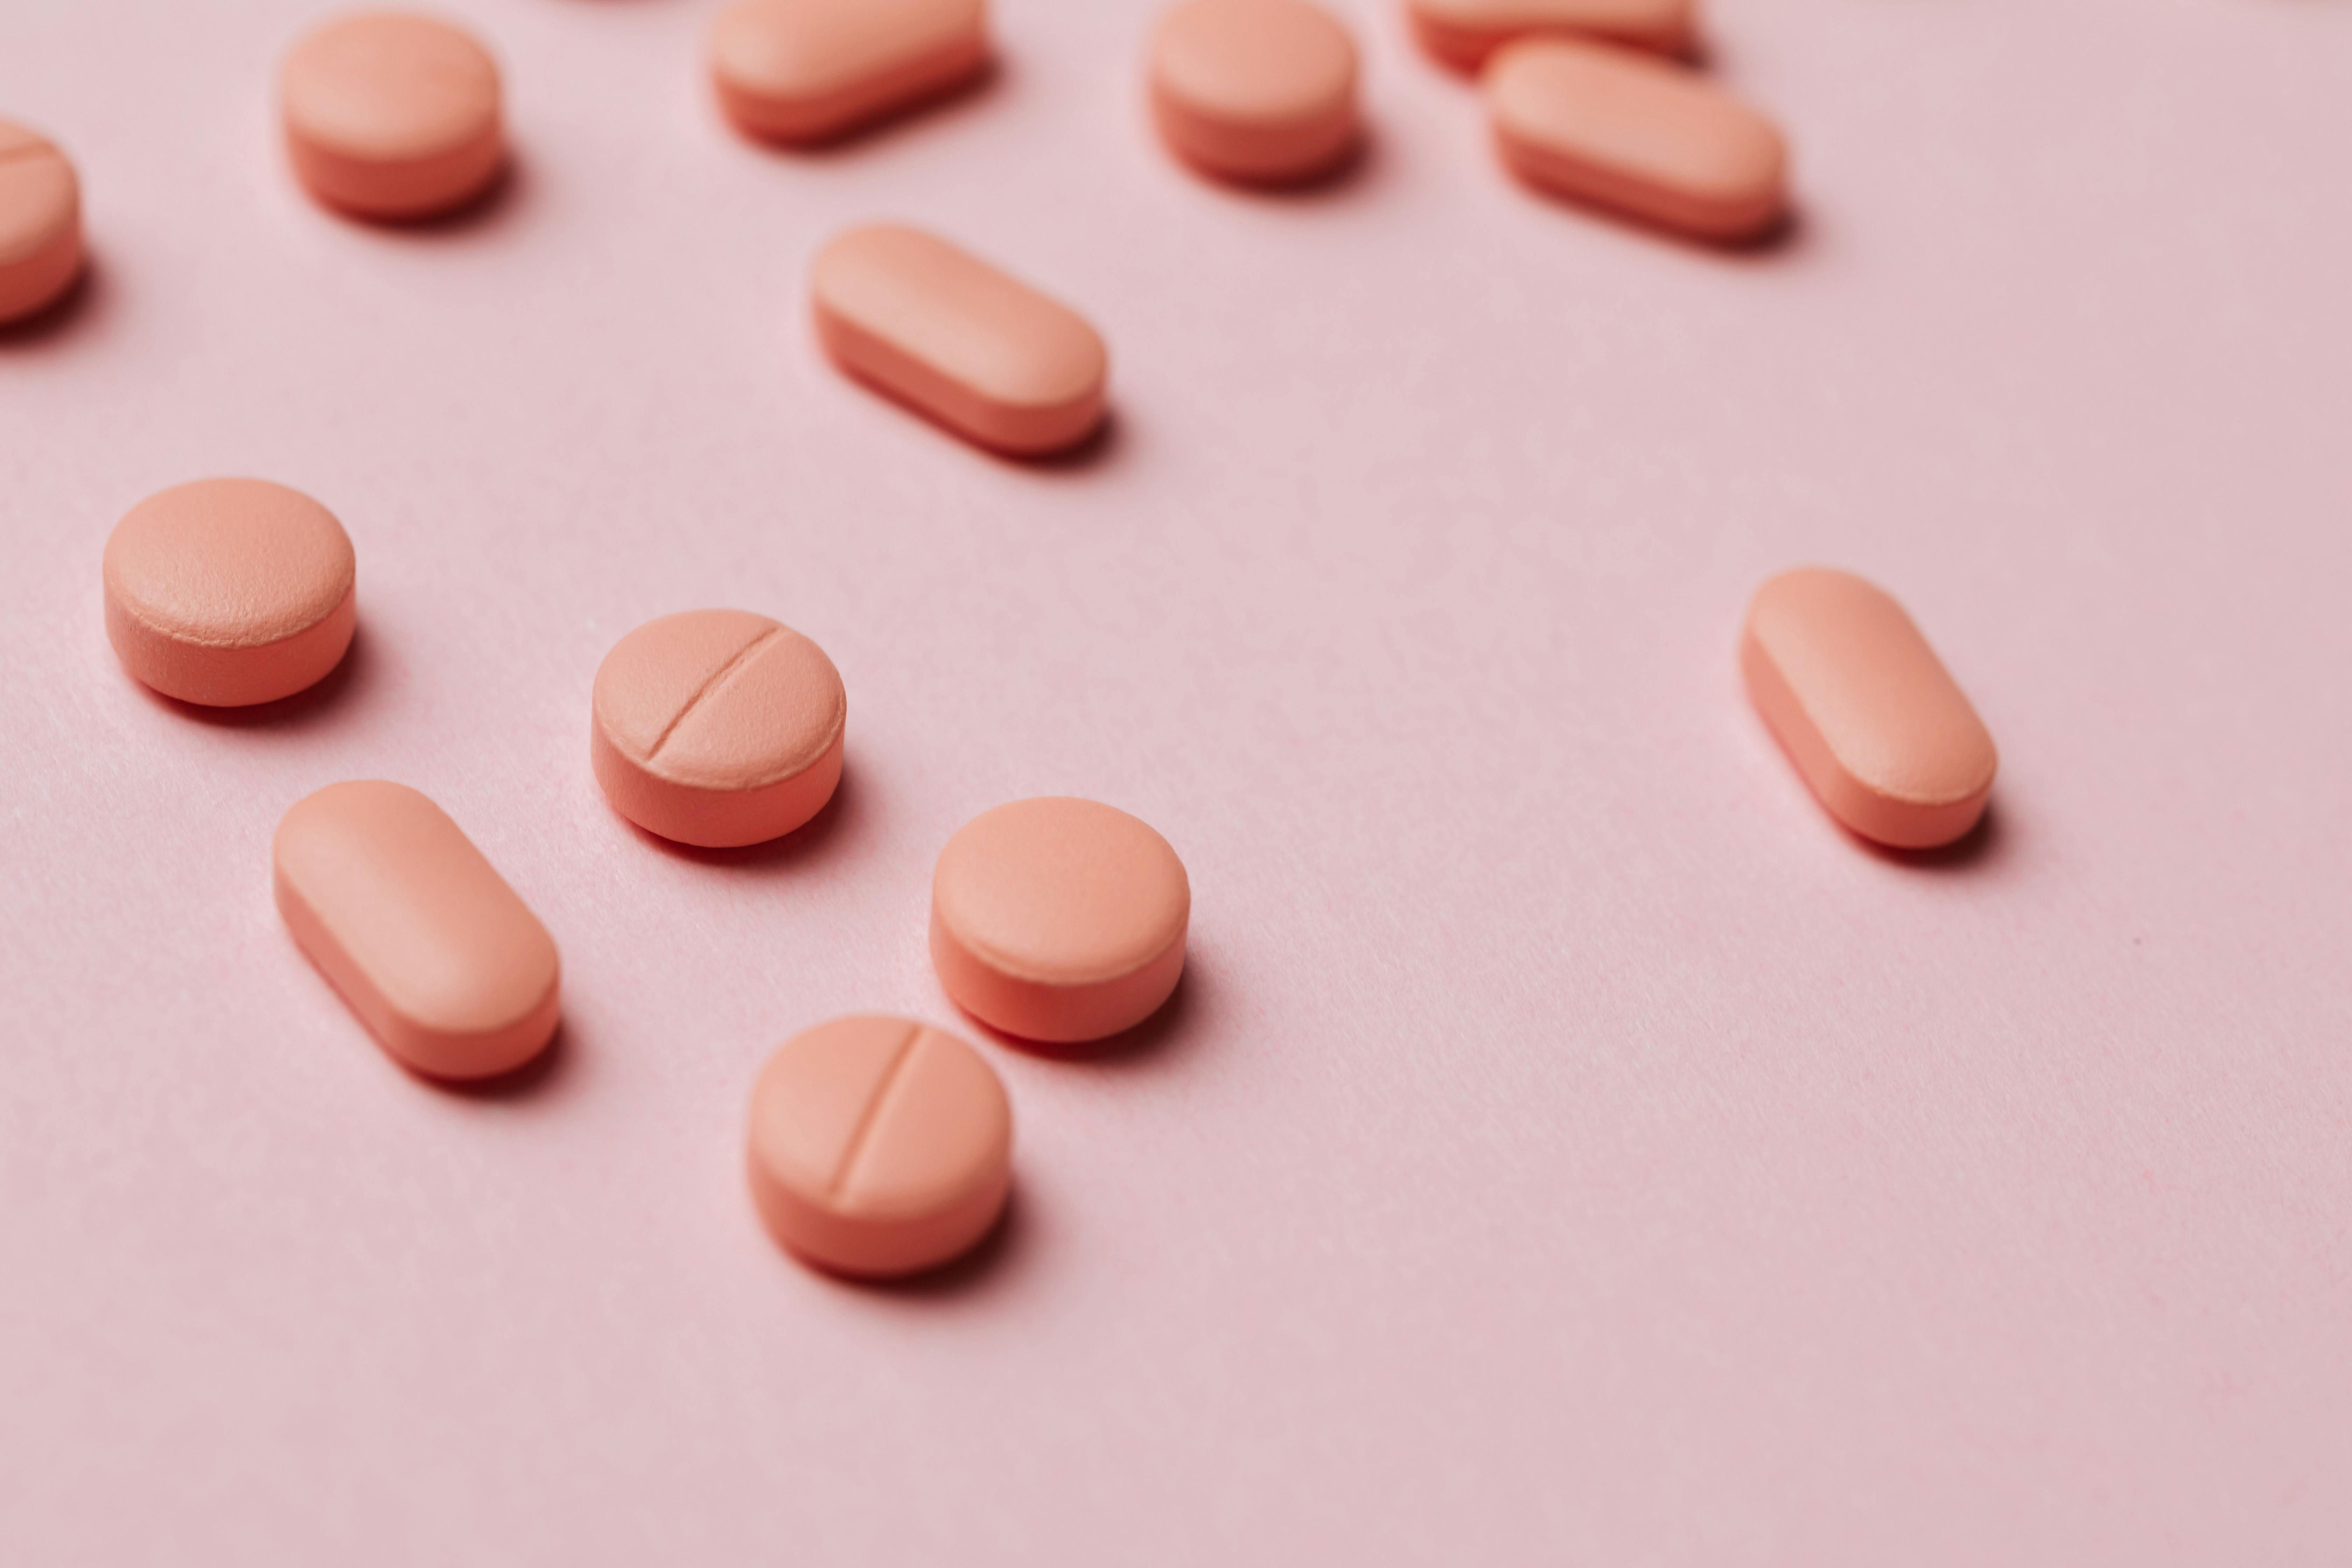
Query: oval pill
[[810, 70], [229, 592], [1463, 33], [1059, 919], [1874, 724], [1259, 91], [40, 222], [427, 944], [939, 329], [391, 115], [878, 1146], [718, 728], [1643, 136]]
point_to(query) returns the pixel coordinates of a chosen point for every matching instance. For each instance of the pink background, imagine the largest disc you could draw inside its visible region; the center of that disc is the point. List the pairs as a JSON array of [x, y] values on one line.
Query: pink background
[[1567, 1146]]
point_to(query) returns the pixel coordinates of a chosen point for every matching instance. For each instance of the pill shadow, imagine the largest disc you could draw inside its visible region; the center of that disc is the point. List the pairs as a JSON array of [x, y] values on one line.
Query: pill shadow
[[1174, 1028], [950, 102], [1366, 160], [545, 1075], [1982, 848], [494, 206], [995, 1259], [86, 299], [846, 810], [353, 674]]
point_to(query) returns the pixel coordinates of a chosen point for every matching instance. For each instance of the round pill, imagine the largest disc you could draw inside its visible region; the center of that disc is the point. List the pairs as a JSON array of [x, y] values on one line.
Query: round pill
[[716, 728], [1463, 33], [1259, 91], [229, 592], [391, 115], [1059, 919], [879, 1147], [809, 71], [40, 222]]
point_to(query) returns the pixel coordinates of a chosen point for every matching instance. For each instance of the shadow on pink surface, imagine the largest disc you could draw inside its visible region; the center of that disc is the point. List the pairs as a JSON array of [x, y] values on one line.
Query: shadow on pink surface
[[79, 308], [779, 857], [1163, 1036], [314, 705]]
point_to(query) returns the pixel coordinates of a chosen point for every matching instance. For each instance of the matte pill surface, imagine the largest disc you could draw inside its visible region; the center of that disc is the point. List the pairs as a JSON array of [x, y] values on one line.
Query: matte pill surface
[[809, 71], [1255, 90], [718, 728], [982, 353], [391, 115], [879, 1146], [1865, 710], [1059, 919], [426, 941], [1641, 135], [1463, 33], [229, 592], [40, 222]]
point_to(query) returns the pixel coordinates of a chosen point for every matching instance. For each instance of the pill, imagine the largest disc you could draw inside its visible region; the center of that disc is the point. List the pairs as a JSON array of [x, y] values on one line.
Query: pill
[[437, 956], [716, 728], [40, 222], [878, 1146], [810, 70], [1463, 33], [229, 592], [1259, 90], [1866, 711], [1641, 135], [1059, 919], [943, 330], [391, 115]]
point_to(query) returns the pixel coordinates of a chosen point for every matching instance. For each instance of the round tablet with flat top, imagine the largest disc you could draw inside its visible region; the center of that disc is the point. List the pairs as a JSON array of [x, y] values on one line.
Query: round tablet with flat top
[[40, 222], [1256, 91], [391, 115]]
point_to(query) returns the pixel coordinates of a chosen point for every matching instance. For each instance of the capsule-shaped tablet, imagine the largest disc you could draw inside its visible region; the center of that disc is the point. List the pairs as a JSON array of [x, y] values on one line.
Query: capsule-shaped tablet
[[440, 958], [40, 222], [391, 115], [806, 71], [1637, 134], [1254, 90], [982, 353], [1463, 33], [1874, 724]]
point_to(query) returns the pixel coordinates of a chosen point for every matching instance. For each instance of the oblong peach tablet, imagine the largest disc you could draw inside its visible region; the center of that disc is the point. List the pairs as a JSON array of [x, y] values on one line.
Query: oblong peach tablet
[[1255, 90], [1059, 919], [40, 222], [879, 1146], [424, 939], [718, 728], [1463, 33], [982, 353], [391, 115], [230, 591], [809, 71], [1877, 727], [1641, 135]]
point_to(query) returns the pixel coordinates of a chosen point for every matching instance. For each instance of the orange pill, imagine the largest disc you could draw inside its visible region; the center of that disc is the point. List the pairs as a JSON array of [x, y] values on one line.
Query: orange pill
[[1640, 135], [1059, 919], [810, 70], [1874, 724], [439, 958], [229, 592], [879, 1147], [1463, 33], [716, 728], [943, 331], [391, 115], [1259, 90], [40, 222]]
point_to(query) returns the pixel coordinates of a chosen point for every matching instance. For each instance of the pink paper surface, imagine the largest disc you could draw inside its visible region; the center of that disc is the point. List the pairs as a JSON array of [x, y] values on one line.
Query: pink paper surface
[[1567, 1146]]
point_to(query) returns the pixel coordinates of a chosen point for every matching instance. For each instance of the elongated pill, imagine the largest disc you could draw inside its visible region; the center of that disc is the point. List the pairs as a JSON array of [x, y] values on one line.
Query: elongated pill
[[1637, 134], [810, 70], [1256, 90], [1874, 724], [943, 331], [879, 1146], [1463, 33], [40, 222], [391, 115], [440, 958]]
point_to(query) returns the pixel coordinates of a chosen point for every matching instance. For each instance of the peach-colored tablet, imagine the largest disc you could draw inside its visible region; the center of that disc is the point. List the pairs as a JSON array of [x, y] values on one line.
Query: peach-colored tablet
[[716, 728], [229, 592], [1463, 33], [40, 222], [879, 1147], [393, 115], [1865, 710], [426, 943], [943, 330], [1059, 919], [1638, 134], [1259, 90], [810, 70]]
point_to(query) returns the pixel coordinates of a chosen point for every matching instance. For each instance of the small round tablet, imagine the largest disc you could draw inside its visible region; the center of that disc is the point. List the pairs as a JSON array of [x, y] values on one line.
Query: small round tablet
[[40, 222], [810, 70], [1059, 919], [716, 728], [1257, 91], [393, 115], [229, 592], [878, 1146]]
